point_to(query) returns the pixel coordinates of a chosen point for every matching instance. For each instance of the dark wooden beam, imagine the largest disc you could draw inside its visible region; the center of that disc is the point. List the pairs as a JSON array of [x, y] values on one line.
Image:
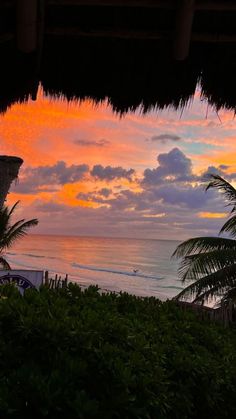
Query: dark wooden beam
[[76, 32], [7, 3], [212, 5], [223, 5], [212, 38], [112, 33], [26, 21], [115, 3], [183, 29]]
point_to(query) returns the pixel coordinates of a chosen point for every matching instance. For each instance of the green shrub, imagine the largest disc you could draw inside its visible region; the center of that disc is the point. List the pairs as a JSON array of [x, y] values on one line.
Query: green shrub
[[72, 354]]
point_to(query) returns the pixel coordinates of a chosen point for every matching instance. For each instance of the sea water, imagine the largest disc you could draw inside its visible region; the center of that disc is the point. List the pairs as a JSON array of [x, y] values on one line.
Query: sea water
[[137, 266]]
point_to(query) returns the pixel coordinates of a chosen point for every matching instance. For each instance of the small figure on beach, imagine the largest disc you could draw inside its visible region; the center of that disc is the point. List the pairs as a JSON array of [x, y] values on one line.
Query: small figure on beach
[[135, 271]]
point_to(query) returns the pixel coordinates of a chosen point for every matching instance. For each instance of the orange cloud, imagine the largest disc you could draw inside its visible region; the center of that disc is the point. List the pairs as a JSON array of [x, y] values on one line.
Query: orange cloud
[[47, 130], [212, 214]]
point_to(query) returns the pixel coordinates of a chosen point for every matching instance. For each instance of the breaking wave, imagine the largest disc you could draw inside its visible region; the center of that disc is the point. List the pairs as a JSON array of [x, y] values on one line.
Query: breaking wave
[[114, 271]]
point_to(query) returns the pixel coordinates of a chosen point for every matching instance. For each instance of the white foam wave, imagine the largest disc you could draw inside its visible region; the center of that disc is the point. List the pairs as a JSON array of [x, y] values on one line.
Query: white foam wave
[[114, 271]]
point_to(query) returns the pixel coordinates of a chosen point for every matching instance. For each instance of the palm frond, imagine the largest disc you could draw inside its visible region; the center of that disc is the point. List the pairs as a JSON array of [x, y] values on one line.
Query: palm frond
[[3, 237], [201, 264], [4, 220], [15, 225], [18, 231], [10, 233], [210, 261], [13, 208], [4, 263], [225, 187], [211, 293], [230, 227], [203, 244], [225, 277], [229, 297]]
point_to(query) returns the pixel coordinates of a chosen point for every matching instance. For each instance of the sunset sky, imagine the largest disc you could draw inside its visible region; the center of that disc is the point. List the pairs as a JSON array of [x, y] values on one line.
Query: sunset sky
[[89, 172]]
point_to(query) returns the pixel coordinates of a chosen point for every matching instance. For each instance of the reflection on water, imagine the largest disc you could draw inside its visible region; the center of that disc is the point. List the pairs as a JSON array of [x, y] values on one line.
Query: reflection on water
[[141, 267]]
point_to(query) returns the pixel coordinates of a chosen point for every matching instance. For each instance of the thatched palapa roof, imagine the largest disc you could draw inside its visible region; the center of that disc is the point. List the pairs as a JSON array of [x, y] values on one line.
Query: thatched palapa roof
[[148, 53]]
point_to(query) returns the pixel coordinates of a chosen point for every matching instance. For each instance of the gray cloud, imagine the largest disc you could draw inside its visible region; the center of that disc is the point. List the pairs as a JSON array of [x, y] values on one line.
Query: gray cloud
[[165, 198], [165, 188], [51, 207], [176, 223], [220, 170], [224, 167], [98, 196], [91, 143], [50, 178], [105, 192], [167, 205], [109, 173], [35, 178], [192, 197], [163, 138], [173, 165]]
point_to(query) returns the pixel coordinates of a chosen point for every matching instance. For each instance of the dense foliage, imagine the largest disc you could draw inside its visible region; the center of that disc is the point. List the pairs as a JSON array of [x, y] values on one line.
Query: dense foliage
[[209, 263], [72, 354]]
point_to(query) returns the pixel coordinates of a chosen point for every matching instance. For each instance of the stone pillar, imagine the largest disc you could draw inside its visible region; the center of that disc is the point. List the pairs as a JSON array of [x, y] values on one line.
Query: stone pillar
[[9, 169]]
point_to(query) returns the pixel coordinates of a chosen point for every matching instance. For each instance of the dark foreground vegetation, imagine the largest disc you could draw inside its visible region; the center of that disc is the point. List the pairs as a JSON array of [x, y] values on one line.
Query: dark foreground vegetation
[[72, 354]]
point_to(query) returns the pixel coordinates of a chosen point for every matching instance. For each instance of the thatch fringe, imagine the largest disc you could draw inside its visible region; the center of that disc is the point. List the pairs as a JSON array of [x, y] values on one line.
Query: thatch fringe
[[129, 73]]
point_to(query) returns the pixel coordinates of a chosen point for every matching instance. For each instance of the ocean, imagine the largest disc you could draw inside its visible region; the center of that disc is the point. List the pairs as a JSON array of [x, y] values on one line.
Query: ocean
[[137, 266]]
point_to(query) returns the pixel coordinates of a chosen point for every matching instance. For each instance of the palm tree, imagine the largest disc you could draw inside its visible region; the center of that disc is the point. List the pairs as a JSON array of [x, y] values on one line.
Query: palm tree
[[210, 262], [9, 233]]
